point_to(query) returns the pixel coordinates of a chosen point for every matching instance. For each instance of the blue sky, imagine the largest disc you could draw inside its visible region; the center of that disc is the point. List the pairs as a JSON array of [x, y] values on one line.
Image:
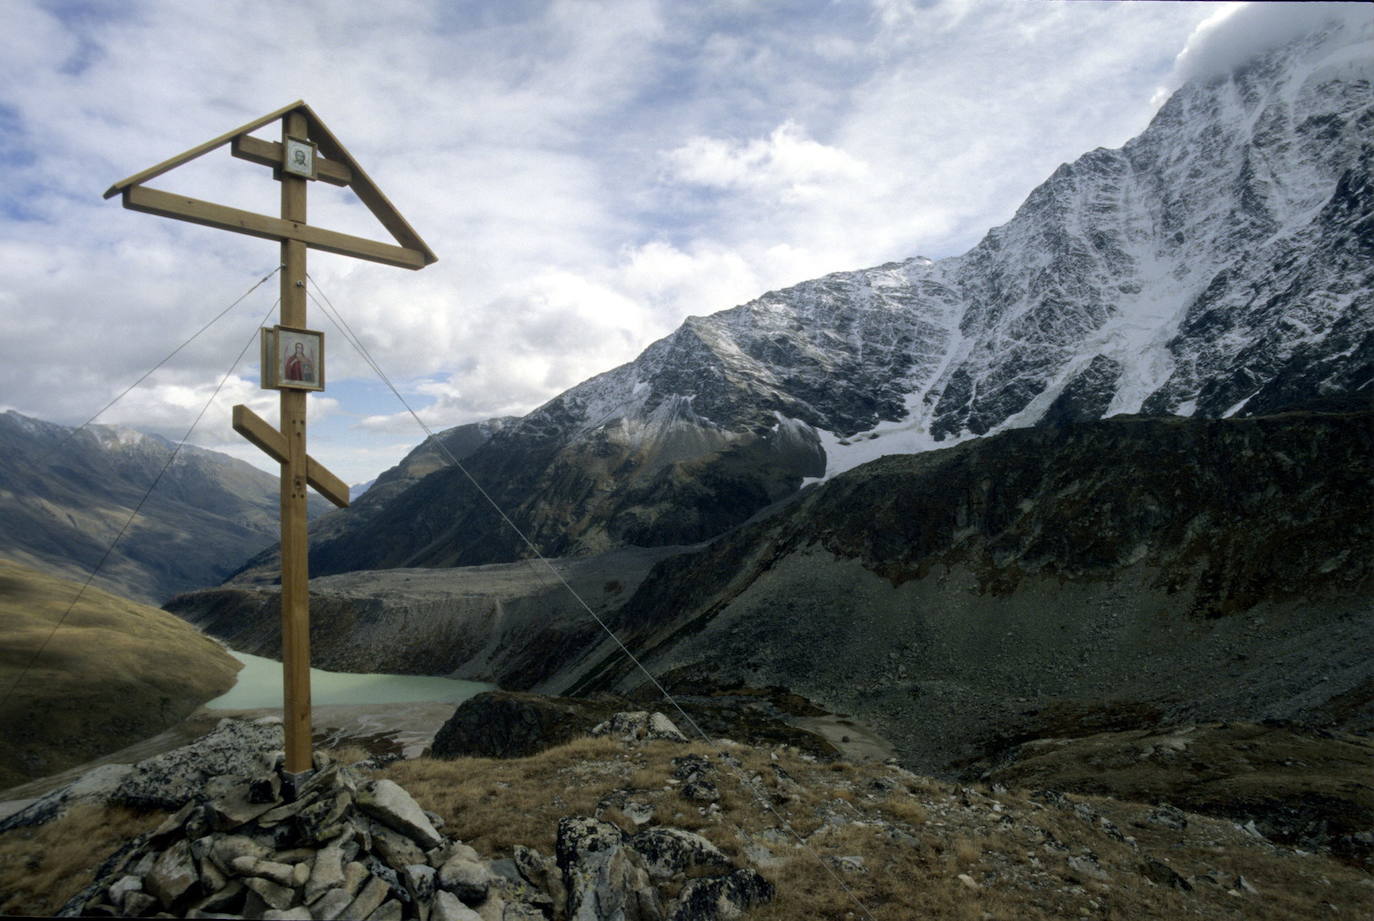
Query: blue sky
[[589, 173]]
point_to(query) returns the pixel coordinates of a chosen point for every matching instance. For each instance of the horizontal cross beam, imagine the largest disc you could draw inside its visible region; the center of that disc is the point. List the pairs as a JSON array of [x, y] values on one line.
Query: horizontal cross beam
[[181, 207], [269, 153], [258, 431]]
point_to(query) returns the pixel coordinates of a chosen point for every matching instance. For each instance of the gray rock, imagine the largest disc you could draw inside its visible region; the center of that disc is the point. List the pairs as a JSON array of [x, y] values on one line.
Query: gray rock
[[420, 881], [1087, 866], [172, 874], [122, 887], [331, 905], [700, 791], [212, 879], [326, 872], [1165, 816], [299, 913], [1158, 871], [723, 898], [669, 851], [604, 877], [467, 879], [323, 819], [283, 874], [543, 874], [390, 910], [225, 850], [234, 807], [447, 907], [395, 849], [521, 911], [639, 725], [388, 803], [274, 894], [223, 900], [369, 900], [96, 785], [355, 874], [139, 904], [493, 909], [233, 749], [198, 913]]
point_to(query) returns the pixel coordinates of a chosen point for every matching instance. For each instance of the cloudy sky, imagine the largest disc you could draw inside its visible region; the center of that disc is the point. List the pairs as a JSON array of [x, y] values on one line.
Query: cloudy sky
[[589, 173]]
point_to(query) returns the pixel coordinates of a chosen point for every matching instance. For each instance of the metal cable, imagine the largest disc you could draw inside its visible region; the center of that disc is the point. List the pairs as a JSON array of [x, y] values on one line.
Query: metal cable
[[342, 325], [72, 434], [137, 508]]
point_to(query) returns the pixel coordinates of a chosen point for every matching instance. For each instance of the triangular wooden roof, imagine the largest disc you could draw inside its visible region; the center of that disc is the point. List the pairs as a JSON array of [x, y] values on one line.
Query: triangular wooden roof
[[354, 177]]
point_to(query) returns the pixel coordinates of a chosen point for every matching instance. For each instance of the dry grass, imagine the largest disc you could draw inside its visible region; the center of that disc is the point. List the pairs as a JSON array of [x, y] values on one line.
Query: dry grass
[[42, 867], [895, 844], [115, 672], [879, 843]]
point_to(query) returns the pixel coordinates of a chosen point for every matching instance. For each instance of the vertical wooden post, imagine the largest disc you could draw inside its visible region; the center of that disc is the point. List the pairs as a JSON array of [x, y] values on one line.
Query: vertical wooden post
[[295, 548], [324, 158]]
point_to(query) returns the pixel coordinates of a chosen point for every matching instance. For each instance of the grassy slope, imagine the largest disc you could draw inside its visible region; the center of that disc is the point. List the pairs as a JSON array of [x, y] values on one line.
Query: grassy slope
[[116, 671], [896, 842], [913, 836]]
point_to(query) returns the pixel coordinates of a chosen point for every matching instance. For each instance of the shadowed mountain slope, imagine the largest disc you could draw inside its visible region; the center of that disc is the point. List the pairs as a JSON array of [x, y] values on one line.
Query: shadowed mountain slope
[[64, 497]]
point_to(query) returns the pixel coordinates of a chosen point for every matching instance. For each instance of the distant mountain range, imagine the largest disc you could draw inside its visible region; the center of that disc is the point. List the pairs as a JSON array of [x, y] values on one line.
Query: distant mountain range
[[1220, 264], [65, 495]]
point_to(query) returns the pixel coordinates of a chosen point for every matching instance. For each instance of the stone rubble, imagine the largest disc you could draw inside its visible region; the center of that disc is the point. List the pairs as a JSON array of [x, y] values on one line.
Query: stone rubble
[[363, 850]]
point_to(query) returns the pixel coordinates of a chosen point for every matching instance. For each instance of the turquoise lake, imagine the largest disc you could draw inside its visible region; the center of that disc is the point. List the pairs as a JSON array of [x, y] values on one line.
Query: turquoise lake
[[260, 685]]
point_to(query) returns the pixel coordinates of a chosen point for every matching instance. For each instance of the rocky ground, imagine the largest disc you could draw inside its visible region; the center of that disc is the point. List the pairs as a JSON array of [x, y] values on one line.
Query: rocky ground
[[636, 820]]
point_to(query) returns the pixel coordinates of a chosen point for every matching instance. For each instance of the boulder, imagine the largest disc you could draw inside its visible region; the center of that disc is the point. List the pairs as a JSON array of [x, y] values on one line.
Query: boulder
[[331, 905], [723, 898], [467, 879], [670, 851], [389, 803], [172, 875], [605, 878], [447, 907], [169, 780], [509, 724], [326, 872], [369, 900], [639, 726], [543, 874], [96, 785]]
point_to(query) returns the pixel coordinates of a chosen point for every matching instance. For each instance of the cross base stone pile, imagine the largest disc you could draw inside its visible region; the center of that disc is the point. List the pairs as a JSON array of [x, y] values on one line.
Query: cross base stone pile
[[346, 847]]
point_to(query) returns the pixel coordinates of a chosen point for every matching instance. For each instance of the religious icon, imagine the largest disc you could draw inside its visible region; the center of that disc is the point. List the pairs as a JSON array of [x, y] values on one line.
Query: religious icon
[[292, 359], [300, 158]]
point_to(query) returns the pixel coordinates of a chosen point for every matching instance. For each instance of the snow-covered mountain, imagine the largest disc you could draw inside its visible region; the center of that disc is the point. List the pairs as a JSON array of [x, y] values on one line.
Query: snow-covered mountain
[[1220, 263]]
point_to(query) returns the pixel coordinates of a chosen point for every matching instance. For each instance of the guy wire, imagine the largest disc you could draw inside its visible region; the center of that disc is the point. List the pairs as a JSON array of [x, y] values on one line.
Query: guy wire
[[761, 798], [137, 508], [68, 437]]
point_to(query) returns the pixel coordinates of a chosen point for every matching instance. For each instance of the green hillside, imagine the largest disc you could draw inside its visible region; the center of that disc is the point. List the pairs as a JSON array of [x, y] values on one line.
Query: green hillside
[[115, 672]]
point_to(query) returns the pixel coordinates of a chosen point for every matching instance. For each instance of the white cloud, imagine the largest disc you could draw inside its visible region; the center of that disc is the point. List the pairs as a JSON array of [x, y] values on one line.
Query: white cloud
[[1238, 32], [589, 174], [788, 165]]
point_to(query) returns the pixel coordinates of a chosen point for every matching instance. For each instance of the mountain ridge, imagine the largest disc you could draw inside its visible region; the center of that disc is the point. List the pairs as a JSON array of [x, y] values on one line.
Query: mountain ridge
[[1221, 262], [67, 494]]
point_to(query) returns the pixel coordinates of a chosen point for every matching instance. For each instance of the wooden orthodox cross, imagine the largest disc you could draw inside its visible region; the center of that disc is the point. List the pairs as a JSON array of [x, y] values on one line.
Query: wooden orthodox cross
[[307, 152]]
